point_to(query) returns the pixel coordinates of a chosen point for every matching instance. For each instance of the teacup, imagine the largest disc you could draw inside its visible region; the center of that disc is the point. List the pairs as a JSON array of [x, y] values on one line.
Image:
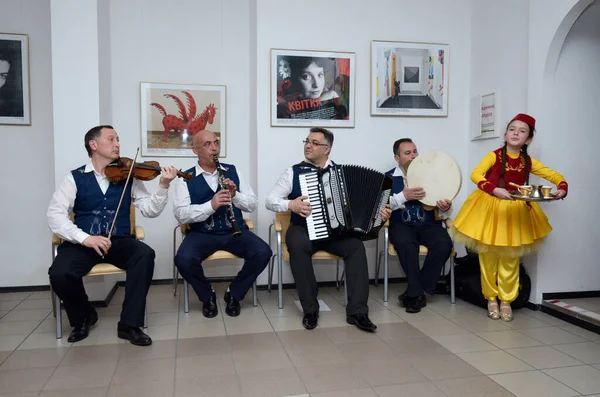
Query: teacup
[[525, 190], [546, 191]]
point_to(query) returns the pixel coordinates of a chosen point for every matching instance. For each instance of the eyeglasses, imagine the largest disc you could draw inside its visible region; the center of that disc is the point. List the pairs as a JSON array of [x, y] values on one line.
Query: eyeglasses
[[313, 143]]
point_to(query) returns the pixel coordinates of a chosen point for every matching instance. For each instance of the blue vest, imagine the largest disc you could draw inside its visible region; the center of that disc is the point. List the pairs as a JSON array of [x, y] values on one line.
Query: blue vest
[[296, 192], [413, 211], [200, 193], [94, 211]]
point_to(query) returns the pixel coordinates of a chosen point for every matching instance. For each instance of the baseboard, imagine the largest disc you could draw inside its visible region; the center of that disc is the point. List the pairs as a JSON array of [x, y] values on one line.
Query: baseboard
[[321, 284], [106, 301], [167, 281], [570, 318], [532, 306], [571, 295], [28, 288]]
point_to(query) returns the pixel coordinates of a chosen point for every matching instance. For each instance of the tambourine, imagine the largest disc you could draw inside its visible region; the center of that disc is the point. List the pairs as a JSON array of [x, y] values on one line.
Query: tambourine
[[438, 174]]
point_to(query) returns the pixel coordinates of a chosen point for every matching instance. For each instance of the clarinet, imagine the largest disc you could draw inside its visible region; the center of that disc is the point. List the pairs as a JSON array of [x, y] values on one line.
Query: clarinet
[[234, 225]]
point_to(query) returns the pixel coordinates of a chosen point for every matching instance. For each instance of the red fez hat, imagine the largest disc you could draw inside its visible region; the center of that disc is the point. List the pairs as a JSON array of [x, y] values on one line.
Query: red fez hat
[[527, 119]]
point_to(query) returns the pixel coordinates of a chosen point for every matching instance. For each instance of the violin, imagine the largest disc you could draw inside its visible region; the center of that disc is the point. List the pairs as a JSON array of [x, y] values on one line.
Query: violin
[[119, 170]]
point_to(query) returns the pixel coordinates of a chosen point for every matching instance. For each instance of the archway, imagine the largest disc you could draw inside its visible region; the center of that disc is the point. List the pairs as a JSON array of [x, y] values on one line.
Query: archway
[[570, 142]]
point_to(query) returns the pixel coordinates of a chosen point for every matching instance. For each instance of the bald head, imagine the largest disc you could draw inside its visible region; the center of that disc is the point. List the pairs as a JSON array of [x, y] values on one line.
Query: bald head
[[203, 136], [206, 145]]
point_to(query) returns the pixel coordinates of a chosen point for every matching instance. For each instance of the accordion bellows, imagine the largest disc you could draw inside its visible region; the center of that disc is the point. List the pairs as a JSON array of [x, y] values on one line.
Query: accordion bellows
[[345, 200]]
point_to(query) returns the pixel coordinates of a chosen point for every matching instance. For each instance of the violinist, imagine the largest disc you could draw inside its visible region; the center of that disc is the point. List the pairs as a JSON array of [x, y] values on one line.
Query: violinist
[[212, 204], [87, 192]]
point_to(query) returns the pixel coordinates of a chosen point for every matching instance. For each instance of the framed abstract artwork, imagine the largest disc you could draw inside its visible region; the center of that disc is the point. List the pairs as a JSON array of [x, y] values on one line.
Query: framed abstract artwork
[[409, 79]]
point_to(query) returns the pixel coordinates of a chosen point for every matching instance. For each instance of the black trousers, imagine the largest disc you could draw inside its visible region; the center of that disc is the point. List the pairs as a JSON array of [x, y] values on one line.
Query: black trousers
[[74, 261], [196, 247], [357, 273], [406, 239]]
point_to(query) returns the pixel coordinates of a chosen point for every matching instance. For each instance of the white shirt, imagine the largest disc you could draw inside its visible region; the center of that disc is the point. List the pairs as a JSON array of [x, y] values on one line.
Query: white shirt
[[63, 200], [185, 212], [277, 200], [398, 200]]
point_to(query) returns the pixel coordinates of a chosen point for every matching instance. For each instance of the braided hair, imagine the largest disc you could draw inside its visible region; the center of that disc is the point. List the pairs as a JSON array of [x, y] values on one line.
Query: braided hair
[[526, 158], [503, 166]]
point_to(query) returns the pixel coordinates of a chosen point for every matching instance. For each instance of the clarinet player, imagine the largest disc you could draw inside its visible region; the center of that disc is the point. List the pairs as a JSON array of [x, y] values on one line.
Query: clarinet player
[[212, 204]]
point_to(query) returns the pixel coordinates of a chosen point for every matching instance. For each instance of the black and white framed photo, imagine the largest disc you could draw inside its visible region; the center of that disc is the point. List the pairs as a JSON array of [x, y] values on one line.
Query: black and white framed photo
[[14, 79], [312, 88], [409, 79]]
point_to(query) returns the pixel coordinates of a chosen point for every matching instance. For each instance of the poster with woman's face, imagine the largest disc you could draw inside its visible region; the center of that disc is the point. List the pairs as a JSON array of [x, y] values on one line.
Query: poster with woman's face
[[312, 88], [14, 79]]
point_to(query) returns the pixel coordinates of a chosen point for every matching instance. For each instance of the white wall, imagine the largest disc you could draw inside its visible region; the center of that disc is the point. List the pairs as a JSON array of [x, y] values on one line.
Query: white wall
[[100, 83], [570, 141], [370, 142], [208, 44], [27, 175]]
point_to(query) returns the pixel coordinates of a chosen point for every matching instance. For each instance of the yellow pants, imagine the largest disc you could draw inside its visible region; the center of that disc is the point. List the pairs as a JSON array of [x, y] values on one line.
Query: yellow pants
[[499, 277]]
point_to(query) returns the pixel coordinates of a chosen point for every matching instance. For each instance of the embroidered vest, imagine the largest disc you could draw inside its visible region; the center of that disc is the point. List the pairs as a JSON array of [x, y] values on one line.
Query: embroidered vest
[[413, 211], [94, 211], [200, 193]]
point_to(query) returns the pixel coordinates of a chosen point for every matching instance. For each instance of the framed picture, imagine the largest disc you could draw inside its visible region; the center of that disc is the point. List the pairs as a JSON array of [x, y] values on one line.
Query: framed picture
[[14, 79], [409, 79], [484, 116], [312, 88], [173, 113]]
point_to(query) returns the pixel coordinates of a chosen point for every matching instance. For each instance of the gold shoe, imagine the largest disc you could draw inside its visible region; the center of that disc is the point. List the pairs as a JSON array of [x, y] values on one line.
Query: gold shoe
[[506, 315], [494, 314]]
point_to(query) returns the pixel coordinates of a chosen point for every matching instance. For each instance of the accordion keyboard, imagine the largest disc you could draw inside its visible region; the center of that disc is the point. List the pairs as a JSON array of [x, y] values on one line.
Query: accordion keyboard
[[316, 221]]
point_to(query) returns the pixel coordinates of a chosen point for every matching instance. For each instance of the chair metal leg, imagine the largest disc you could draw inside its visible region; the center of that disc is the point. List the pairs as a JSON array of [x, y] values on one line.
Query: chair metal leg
[[279, 270], [386, 240], [271, 268], [337, 275], [345, 289], [186, 297], [145, 316], [52, 300], [56, 304], [175, 270], [452, 291], [271, 262], [378, 268], [254, 297]]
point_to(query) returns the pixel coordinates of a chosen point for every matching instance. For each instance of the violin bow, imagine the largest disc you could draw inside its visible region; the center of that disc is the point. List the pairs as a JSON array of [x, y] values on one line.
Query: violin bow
[[123, 194]]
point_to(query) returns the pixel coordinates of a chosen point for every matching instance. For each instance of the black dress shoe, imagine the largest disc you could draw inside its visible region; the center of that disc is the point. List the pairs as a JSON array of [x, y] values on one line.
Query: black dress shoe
[[402, 299], [310, 320], [414, 305], [362, 321], [209, 308], [232, 307], [133, 334], [82, 332]]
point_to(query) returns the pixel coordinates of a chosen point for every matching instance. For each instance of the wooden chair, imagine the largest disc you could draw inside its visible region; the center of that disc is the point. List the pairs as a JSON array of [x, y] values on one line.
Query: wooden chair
[[281, 225], [217, 255], [422, 252], [101, 269]]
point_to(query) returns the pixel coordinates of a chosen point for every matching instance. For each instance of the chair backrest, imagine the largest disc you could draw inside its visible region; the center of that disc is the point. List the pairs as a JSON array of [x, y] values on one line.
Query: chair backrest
[[132, 218], [284, 219]]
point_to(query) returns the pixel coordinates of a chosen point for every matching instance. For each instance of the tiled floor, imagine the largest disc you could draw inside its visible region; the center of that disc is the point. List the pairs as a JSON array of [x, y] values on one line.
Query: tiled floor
[[446, 350]]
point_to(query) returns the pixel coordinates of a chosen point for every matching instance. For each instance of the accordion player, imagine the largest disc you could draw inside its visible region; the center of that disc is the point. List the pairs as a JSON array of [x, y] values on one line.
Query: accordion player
[[345, 200]]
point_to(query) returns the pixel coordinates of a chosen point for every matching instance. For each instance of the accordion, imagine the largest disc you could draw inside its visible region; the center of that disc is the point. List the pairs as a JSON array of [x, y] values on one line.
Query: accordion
[[345, 200]]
